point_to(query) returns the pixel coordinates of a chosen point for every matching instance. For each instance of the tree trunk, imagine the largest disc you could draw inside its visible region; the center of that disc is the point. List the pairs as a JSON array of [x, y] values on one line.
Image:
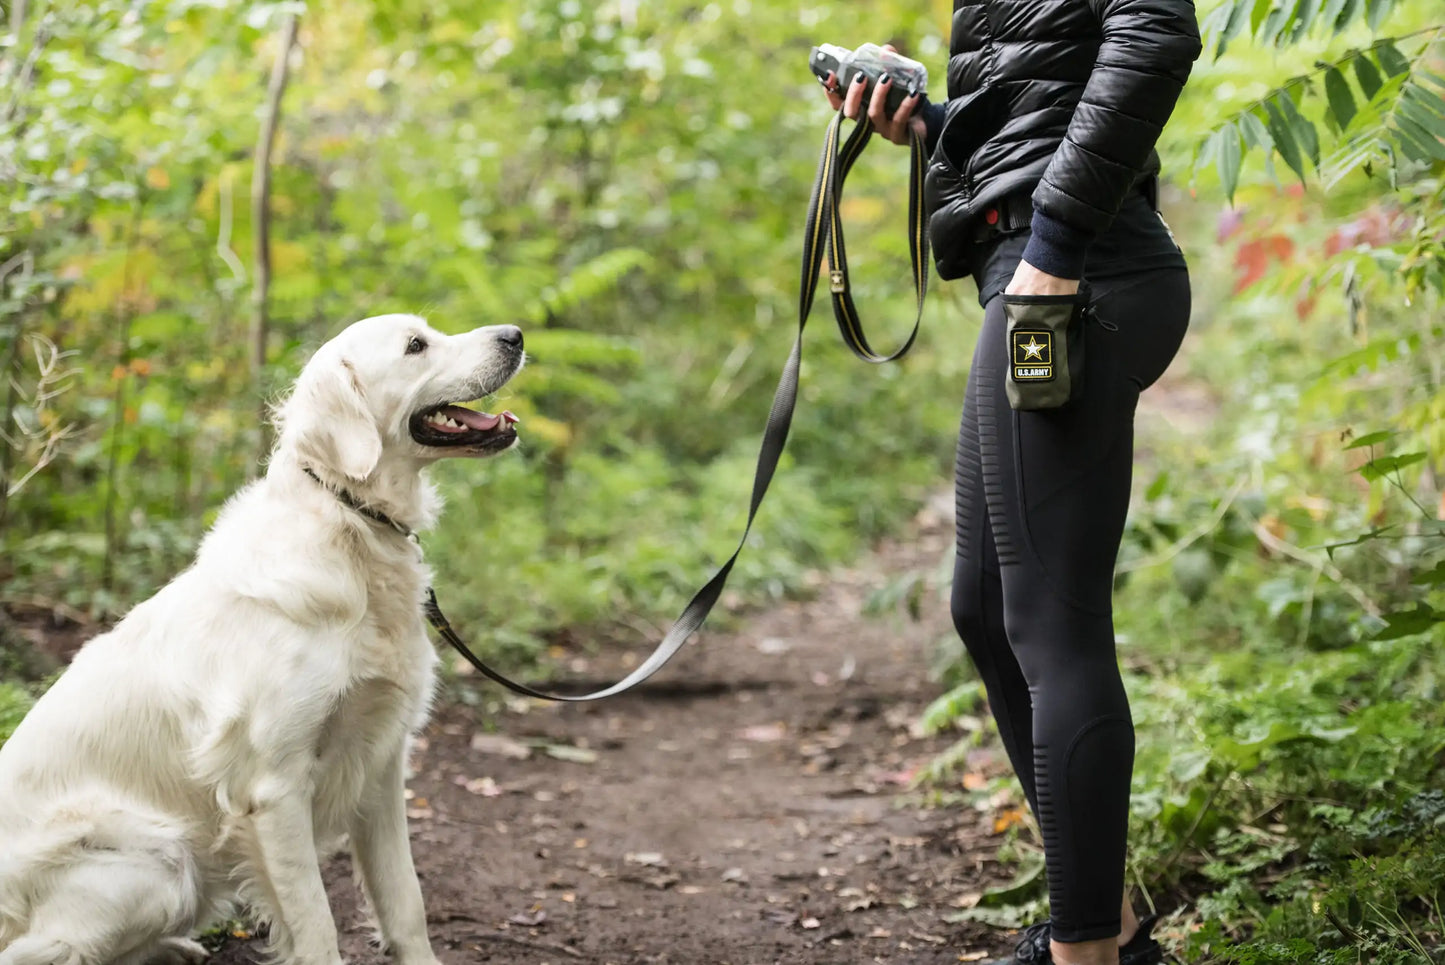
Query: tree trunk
[[261, 219]]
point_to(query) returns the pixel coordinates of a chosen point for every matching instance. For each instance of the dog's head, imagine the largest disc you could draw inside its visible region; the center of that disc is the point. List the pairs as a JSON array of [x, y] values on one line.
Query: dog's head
[[393, 387]]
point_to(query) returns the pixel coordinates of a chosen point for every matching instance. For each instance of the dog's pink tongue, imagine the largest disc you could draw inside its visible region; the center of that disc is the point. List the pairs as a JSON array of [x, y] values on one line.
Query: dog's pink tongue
[[480, 421]]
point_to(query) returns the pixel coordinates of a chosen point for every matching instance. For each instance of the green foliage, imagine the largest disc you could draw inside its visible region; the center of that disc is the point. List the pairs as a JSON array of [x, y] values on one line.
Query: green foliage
[[604, 174], [1371, 106], [14, 703], [1284, 609]]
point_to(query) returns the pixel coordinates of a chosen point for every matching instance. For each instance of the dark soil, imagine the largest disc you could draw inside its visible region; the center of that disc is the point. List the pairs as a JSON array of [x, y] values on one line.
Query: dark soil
[[754, 804]]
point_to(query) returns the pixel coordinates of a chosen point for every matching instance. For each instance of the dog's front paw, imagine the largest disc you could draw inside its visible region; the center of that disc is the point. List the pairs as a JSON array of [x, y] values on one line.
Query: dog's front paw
[[178, 951]]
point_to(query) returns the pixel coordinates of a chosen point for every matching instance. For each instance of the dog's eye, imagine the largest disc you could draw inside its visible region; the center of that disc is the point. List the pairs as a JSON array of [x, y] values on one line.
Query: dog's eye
[[416, 346]]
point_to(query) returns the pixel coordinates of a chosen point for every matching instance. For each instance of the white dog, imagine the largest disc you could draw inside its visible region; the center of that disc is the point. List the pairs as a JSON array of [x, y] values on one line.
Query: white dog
[[257, 710]]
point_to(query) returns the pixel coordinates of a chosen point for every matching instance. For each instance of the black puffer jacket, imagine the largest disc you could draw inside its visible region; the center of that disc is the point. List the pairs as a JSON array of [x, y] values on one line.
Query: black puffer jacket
[[1064, 98]]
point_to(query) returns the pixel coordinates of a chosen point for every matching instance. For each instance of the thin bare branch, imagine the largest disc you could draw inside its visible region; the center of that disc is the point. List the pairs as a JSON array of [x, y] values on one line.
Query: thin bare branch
[[227, 202], [27, 72], [18, 10], [1189, 538], [261, 219], [1317, 563]]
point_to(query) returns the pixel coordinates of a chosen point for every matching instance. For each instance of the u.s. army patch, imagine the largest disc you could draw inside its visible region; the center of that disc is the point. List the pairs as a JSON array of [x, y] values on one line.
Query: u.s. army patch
[[1033, 356]]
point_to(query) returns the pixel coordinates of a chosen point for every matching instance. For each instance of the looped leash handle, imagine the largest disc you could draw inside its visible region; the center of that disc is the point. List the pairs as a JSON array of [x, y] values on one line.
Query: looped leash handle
[[824, 232]]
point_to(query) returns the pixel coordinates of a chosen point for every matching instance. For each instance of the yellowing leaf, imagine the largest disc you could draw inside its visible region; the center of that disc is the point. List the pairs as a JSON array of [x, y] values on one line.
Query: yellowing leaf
[[1007, 820], [158, 178]]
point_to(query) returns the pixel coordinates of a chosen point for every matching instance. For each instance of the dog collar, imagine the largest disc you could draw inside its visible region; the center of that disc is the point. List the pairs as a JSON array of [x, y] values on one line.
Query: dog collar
[[356, 505]]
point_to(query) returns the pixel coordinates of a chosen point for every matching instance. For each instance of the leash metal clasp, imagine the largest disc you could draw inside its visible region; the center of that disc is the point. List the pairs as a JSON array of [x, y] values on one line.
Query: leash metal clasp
[[839, 282]]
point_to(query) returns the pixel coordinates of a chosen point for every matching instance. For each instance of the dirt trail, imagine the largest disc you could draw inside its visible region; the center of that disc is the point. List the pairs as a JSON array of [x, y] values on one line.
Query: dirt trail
[[751, 806]]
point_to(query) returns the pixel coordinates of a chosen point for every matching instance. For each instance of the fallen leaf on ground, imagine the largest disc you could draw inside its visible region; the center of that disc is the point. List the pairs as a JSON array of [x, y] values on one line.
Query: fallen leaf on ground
[[648, 859], [972, 956], [810, 923], [973, 781], [528, 919], [735, 875], [1007, 820], [898, 778], [484, 786], [501, 746], [573, 755], [764, 733]]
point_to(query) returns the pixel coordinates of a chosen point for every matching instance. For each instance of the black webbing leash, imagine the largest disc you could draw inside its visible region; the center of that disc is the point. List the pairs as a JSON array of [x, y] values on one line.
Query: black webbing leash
[[824, 232]]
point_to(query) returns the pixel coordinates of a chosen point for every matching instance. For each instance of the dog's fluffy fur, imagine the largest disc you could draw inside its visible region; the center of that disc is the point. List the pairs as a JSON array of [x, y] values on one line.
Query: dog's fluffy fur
[[256, 711]]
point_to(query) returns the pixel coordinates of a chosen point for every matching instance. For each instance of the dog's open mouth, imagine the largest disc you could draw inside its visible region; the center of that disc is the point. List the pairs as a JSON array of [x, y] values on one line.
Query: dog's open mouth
[[456, 425]]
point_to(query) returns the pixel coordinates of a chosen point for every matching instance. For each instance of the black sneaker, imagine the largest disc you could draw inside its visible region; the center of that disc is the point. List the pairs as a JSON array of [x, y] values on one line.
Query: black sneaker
[[1033, 948], [1142, 949]]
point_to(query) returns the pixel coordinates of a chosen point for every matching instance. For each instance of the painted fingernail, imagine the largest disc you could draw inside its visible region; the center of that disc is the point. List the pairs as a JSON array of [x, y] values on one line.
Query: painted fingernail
[[883, 80], [913, 92], [859, 77]]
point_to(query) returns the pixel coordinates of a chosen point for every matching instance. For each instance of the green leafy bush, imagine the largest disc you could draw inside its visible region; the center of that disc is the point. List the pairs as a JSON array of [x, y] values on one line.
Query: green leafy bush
[[14, 704]]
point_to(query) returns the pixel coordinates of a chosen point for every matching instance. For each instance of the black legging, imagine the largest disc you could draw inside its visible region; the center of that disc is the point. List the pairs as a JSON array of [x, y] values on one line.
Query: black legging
[[1041, 501]]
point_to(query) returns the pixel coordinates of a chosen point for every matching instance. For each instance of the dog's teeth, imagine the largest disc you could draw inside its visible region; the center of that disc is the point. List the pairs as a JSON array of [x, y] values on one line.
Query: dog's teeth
[[454, 423]]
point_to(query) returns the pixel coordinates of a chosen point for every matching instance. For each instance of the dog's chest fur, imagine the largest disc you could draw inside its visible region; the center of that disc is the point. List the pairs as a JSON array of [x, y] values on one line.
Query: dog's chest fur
[[389, 686]]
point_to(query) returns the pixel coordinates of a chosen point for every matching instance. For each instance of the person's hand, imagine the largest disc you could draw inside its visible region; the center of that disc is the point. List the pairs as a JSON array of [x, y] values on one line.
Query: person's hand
[[850, 102], [1028, 280]]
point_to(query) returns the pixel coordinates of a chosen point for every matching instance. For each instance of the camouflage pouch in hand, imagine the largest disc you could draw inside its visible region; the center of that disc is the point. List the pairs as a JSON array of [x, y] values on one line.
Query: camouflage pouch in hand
[[1046, 348]]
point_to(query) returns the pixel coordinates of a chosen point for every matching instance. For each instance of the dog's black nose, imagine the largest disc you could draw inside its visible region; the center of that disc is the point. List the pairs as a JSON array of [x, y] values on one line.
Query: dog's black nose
[[510, 334]]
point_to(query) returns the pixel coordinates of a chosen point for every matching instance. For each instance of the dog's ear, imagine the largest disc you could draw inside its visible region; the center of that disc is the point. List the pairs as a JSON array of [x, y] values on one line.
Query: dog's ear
[[331, 423]]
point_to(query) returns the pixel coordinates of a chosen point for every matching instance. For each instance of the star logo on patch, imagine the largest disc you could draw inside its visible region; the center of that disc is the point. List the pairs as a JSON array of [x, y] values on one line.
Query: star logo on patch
[[1033, 350]]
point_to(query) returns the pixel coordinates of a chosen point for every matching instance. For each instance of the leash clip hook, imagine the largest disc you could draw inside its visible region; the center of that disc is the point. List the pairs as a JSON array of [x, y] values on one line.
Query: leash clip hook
[[839, 282]]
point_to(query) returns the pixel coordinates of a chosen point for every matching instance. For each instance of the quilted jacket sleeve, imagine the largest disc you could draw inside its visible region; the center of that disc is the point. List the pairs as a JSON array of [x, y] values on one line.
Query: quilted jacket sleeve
[[1145, 56]]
